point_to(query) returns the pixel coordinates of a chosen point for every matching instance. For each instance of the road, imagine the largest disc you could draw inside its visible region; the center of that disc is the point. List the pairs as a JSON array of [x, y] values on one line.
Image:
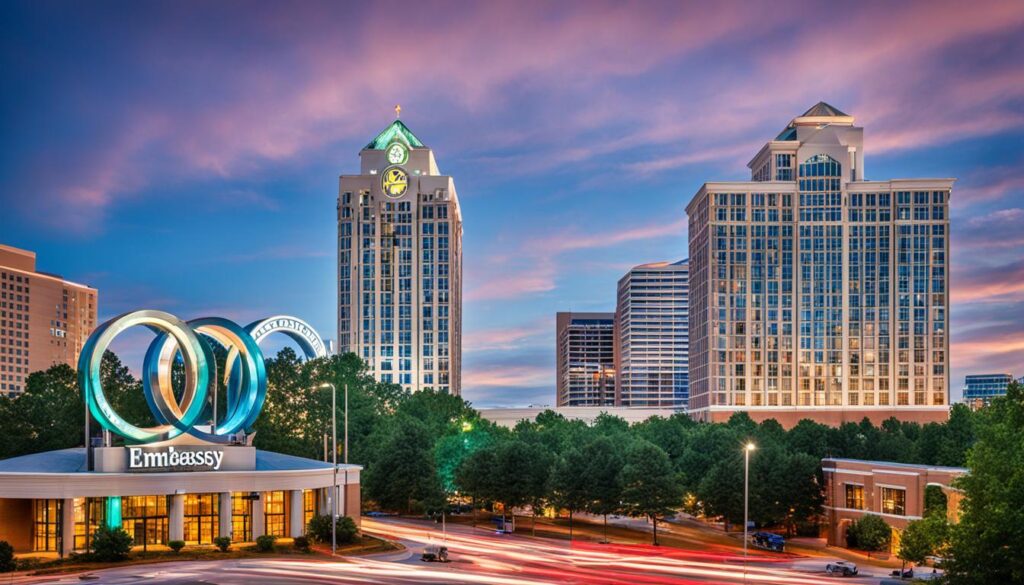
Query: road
[[483, 557]]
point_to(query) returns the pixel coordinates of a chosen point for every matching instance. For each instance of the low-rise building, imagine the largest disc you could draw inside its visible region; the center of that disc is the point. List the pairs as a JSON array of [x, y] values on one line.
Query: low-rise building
[[980, 389], [893, 491]]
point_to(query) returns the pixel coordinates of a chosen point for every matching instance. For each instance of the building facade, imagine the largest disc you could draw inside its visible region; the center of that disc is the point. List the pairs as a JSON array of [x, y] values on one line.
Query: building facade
[[894, 491], [980, 389], [652, 336], [400, 264], [585, 358], [44, 319], [816, 293]]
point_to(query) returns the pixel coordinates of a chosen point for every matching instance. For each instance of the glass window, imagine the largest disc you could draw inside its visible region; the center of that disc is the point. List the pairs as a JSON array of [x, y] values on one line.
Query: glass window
[[854, 496], [275, 509], [241, 517], [46, 524], [894, 501], [309, 498], [145, 518], [89, 514], [202, 518]]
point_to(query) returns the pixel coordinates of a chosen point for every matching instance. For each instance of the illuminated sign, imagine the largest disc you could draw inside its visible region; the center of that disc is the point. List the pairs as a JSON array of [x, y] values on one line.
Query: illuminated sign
[[245, 374], [175, 458]]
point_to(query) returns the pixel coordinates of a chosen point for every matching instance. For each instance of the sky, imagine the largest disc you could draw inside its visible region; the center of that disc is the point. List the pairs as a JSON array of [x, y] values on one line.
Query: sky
[[185, 156]]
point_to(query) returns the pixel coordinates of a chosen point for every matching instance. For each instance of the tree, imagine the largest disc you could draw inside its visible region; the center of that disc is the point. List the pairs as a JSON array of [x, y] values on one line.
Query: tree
[[111, 544], [402, 471], [915, 543], [869, 533], [650, 487], [985, 545], [603, 477], [568, 485]]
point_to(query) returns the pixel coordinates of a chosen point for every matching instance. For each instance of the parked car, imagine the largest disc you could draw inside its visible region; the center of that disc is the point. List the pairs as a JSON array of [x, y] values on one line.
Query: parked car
[[905, 574], [434, 553], [769, 541], [844, 568], [376, 514]]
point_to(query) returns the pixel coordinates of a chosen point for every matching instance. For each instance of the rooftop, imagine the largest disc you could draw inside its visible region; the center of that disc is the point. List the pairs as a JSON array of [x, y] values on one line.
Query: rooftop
[[73, 461], [397, 130]]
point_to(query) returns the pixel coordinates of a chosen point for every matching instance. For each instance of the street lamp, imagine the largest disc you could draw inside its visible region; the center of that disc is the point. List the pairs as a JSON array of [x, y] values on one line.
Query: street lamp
[[746, 497], [334, 457]]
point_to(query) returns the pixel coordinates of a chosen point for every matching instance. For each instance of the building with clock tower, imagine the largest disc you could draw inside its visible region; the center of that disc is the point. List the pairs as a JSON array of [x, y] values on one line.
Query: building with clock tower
[[400, 264]]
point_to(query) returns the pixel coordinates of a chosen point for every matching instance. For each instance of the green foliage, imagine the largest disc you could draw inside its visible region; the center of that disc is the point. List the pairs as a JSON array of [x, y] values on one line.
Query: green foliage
[[986, 544], [301, 543], [7, 562], [403, 469], [223, 543], [176, 545], [935, 501], [915, 543], [319, 529], [869, 533], [604, 458], [568, 485], [650, 486], [265, 543], [111, 544]]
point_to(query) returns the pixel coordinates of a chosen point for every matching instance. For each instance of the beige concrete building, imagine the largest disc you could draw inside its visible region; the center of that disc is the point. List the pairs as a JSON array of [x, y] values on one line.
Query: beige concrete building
[[44, 319], [816, 293], [585, 359], [400, 264], [894, 491], [652, 340]]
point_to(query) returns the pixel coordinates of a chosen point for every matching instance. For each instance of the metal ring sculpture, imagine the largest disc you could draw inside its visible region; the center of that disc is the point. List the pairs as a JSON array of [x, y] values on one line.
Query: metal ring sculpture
[[245, 375]]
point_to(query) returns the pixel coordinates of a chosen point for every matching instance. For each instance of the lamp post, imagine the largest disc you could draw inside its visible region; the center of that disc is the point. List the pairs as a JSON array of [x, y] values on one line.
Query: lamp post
[[334, 460], [746, 499]]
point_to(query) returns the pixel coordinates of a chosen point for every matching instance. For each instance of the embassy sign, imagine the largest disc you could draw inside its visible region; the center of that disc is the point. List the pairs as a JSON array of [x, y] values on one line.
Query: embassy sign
[[197, 444], [175, 458]]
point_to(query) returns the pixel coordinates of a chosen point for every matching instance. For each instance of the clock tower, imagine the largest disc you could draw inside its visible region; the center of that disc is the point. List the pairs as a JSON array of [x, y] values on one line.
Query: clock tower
[[400, 264]]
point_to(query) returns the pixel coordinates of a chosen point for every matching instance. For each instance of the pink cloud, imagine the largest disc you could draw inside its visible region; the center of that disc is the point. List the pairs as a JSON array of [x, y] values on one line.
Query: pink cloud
[[505, 338]]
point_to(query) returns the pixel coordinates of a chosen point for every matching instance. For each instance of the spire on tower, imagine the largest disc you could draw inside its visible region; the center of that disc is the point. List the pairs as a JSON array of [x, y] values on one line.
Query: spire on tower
[[398, 111]]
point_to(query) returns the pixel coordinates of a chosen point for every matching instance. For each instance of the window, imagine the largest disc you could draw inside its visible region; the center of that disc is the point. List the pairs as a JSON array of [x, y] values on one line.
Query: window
[[89, 514], [309, 498], [241, 517], [275, 507], [894, 501], [145, 518], [202, 518], [854, 496], [46, 524]]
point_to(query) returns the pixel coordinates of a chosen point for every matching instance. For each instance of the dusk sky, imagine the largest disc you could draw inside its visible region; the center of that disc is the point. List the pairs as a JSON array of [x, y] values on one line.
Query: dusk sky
[[185, 156]]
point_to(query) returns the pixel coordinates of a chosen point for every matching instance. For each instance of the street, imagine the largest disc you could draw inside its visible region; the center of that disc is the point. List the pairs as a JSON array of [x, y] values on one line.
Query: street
[[479, 556]]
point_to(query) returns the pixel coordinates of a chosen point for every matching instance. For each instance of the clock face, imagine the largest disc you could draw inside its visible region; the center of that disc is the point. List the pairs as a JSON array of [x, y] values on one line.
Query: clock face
[[397, 154], [394, 182]]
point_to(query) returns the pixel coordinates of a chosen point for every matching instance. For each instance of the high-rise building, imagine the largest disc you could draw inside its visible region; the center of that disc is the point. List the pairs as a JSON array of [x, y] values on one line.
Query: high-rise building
[[816, 293], [400, 264], [652, 349], [980, 389], [44, 319], [585, 359]]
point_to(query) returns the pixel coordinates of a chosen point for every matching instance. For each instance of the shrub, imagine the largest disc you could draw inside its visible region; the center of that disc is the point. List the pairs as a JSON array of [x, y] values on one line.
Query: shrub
[[265, 543], [7, 562], [111, 544], [176, 545], [223, 543], [319, 529], [870, 533], [301, 543]]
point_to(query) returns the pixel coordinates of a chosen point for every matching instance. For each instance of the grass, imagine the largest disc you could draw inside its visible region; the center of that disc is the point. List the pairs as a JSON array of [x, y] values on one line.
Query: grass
[[160, 554]]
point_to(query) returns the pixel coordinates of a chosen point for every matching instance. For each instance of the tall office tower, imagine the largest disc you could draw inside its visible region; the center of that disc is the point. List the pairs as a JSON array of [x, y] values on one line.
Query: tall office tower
[[400, 264], [816, 293], [980, 389], [585, 359], [44, 319], [652, 349]]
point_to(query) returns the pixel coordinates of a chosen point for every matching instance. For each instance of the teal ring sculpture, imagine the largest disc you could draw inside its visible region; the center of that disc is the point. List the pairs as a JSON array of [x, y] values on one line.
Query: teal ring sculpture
[[245, 372]]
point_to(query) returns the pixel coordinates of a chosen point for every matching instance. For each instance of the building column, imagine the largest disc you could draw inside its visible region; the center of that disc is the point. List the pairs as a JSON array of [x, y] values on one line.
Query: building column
[[224, 509], [295, 514], [259, 519], [176, 518], [67, 526]]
